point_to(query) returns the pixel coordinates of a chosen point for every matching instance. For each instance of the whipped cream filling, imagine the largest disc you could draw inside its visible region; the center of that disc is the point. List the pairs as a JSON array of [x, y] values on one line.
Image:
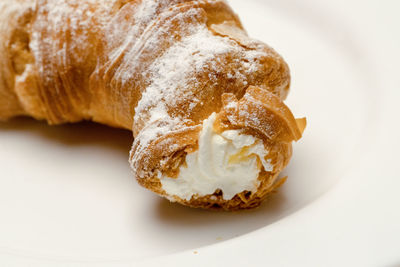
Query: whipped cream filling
[[230, 161]]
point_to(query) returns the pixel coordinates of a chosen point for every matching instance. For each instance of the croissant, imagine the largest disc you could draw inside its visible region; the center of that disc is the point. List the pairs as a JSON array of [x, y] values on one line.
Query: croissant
[[203, 100]]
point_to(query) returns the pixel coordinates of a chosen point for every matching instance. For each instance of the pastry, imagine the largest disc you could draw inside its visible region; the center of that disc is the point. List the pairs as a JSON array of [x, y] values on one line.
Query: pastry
[[204, 101]]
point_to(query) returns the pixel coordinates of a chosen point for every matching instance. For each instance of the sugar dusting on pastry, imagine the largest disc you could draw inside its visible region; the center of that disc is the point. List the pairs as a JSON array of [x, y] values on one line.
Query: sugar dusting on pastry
[[229, 161], [176, 70]]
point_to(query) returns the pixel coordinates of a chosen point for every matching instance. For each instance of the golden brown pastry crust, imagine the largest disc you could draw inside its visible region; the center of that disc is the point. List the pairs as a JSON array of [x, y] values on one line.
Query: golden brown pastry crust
[[112, 62]]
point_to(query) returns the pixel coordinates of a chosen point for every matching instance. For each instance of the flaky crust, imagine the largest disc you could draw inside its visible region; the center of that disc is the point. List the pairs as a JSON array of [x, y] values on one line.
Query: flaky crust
[[158, 68]]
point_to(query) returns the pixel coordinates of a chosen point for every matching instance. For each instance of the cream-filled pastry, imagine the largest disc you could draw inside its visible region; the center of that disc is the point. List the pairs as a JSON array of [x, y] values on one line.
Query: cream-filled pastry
[[203, 100]]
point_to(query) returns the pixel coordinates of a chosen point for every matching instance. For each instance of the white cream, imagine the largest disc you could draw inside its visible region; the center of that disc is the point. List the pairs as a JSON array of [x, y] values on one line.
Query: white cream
[[227, 161]]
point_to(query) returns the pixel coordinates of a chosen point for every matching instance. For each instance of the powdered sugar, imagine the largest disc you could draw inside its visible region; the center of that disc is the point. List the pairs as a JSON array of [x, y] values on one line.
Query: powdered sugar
[[171, 73], [72, 16]]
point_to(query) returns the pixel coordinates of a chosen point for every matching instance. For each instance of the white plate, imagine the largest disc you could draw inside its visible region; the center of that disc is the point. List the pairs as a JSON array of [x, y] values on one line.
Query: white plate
[[67, 197]]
